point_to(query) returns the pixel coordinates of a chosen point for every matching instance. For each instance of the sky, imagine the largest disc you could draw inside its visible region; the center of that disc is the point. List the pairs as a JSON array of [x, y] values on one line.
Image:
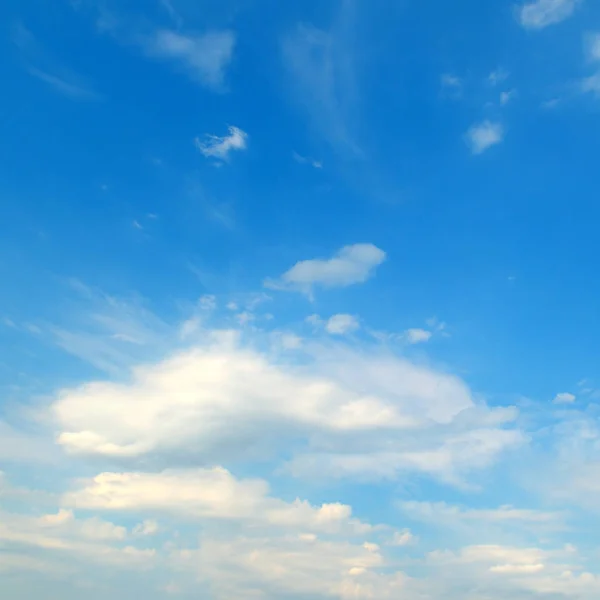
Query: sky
[[299, 299]]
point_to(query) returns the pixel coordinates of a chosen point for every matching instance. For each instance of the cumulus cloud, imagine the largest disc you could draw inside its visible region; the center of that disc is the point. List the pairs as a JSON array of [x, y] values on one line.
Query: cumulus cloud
[[204, 57], [542, 13], [350, 265], [484, 135], [417, 336], [341, 324], [223, 399], [564, 398], [212, 493], [213, 146]]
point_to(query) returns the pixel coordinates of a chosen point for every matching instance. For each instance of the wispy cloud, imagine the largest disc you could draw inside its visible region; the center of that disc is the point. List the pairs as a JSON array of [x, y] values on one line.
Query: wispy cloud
[[452, 84], [498, 76], [307, 160], [508, 96], [43, 66], [542, 13], [204, 57], [214, 146], [350, 265], [484, 135], [320, 65]]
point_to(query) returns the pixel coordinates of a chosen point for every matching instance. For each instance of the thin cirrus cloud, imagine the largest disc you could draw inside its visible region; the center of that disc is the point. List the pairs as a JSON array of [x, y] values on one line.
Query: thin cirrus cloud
[[220, 147], [348, 266], [204, 57], [484, 135], [43, 66], [542, 13]]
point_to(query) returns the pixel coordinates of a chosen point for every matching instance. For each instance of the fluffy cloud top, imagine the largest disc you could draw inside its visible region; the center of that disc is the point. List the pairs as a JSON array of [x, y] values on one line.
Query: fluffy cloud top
[[224, 399]]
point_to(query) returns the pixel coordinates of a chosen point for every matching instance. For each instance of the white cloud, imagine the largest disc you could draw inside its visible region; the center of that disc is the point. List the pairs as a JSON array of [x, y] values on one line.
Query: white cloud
[[498, 76], [350, 265], [451, 81], [223, 399], [62, 535], [214, 146], [506, 97], [591, 84], [147, 527], [306, 160], [593, 44], [293, 567], [484, 135], [564, 398], [542, 13], [205, 57], [320, 64], [403, 538], [65, 85], [418, 336], [341, 324], [209, 494], [449, 515]]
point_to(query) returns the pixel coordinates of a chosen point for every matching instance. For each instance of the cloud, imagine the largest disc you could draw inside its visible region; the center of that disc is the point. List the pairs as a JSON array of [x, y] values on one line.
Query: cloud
[[64, 86], [65, 537], [213, 146], [350, 413], [451, 81], [341, 324], [320, 65], [418, 336], [506, 97], [542, 13], [306, 160], [497, 76], [484, 135], [350, 265], [212, 493], [204, 57], [564, 398], [593, 46], [458, 517], [41, 64]]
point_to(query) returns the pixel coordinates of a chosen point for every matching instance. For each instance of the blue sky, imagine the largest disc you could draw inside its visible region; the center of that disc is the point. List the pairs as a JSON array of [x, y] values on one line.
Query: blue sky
[[299, 299]]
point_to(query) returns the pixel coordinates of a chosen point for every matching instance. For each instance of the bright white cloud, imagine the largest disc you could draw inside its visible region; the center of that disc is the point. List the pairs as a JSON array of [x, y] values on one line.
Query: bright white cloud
[[542, 13], [205, 57], [209, 494], [564, 398], [294, 567], [213, 146], [484, 135], [350, 265], [341, 324], [67, 537], [223, 399]]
